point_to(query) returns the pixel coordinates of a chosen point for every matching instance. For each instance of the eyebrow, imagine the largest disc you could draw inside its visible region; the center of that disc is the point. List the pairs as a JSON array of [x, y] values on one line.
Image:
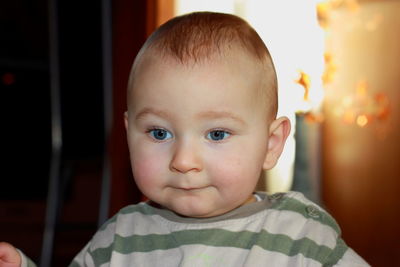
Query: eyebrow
[[220, 115], [202, 115], [151, 111]]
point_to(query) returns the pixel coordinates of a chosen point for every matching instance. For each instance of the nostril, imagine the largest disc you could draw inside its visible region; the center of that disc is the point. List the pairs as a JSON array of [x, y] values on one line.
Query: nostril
[[185, 159], [184, 166]]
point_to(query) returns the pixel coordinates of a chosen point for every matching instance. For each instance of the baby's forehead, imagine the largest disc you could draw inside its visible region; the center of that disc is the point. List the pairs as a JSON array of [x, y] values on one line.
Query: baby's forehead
[[227, 69], [232, 64]]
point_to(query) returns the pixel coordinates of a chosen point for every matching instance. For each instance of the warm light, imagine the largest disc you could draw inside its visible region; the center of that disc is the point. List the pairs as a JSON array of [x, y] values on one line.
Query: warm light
[[352, 5], [323, 9], [362, 88], [349, 117], [360, 107], [362, 120], [383, 104], [347, 101], [374, 22], [297, 44], [330, 68], [304, 80]]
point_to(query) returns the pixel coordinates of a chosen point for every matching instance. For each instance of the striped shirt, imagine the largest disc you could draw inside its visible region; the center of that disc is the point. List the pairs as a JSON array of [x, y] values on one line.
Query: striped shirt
[[283, 229]]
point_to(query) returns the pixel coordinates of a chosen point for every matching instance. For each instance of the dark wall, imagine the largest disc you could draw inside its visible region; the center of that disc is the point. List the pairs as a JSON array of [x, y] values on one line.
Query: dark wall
[[26, 116], [25, 109], [25, 100]]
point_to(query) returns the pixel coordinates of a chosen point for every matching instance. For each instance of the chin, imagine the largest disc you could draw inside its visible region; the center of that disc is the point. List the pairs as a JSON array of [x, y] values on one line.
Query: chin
[[191, 211], [198, 212]]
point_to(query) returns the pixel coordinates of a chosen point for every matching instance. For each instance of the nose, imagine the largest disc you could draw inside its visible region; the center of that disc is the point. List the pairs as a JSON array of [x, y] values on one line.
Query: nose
[[186, 158]]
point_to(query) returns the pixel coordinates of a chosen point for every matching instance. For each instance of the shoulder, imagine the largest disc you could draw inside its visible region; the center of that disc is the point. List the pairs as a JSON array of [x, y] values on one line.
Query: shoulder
[[313, 227], [119, 224], [99, 249], [294, 205], [126, 215], [307, 228]]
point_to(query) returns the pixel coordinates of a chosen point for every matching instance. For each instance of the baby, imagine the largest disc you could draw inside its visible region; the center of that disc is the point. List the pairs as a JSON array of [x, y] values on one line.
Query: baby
[[201, 126]]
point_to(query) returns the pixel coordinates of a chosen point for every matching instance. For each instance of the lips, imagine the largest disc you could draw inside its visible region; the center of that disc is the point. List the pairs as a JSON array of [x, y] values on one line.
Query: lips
[[196, 188], [191, 189]]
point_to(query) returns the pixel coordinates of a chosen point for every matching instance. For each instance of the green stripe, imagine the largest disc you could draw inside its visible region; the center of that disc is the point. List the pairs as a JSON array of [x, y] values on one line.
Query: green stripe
[[216, 238], [337, 253], [285, 204], [101, 255], [292, 204], [140, 208], [74, 264]]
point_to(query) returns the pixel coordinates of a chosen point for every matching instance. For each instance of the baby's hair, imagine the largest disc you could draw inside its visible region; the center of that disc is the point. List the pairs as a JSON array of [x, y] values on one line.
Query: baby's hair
[[200, 36]]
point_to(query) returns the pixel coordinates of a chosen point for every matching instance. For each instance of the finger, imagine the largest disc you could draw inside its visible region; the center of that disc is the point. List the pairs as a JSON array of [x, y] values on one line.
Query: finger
[[8, 253]]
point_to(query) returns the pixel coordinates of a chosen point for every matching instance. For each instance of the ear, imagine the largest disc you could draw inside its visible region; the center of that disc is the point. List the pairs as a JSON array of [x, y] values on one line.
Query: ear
[[278, 133], [126, 120]]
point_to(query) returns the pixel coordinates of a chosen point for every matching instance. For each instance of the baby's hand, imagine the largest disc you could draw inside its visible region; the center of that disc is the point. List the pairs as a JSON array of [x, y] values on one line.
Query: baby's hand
[[9, 256]]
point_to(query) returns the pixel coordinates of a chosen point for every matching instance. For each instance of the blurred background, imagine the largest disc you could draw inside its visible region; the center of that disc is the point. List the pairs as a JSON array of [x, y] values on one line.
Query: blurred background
[[63, 73]]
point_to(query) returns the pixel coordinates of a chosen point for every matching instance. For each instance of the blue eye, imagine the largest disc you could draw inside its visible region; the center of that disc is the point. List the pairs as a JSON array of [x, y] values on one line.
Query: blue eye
[[217, 135], [160, 134]]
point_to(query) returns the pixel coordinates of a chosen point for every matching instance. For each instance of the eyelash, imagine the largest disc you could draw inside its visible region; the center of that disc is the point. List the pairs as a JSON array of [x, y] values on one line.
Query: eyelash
[[220, 130], [150, 130], [224, 131]]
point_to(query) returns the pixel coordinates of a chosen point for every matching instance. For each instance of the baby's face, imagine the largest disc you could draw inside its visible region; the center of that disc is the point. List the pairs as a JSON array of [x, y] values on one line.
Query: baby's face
[[197, 134]]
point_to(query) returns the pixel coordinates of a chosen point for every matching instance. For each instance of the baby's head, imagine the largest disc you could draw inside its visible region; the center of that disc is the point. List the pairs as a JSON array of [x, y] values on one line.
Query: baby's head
[[201, 125], [203, 38]]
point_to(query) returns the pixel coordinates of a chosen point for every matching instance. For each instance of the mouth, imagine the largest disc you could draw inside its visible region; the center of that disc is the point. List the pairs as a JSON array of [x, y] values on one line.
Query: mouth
[[191, 189]]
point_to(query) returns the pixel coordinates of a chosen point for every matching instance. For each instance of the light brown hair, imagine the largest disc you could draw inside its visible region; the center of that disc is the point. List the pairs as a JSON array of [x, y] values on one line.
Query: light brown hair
[[199, 36]]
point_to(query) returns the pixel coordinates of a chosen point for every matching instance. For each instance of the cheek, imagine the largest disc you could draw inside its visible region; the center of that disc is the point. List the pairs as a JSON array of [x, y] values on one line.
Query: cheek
[[235, 179], [239, 169], [147, 168], [227, 171], [228, 167]]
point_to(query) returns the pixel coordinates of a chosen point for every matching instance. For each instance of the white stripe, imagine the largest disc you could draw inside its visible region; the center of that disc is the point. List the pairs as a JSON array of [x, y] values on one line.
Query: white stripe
[[301, 198], [193, 256], [351, 258], [271, 258], [288, 223], [103, 238]]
